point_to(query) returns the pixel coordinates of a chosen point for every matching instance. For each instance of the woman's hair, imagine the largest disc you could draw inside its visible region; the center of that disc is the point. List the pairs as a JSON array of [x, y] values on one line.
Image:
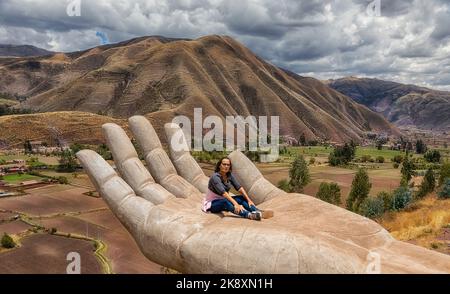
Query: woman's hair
[[220, 162]]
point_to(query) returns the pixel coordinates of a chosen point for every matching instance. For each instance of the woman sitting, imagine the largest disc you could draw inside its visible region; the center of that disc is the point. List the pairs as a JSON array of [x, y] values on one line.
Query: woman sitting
[[218, 198]]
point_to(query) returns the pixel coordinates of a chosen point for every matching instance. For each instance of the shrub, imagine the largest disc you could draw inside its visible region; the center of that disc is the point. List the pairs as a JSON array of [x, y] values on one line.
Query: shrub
[[342, 155], [284, 185], [312, 160], [380, 159], [299, 174], [444, 173], [365, 158], [397, 159], [359, 191], [432, 156], [63, 180], [396, 165], [402, 196], [104, 152], [372, 207], [387, 199], [445, 191], [7, 241], [428, 184], [329, 192]]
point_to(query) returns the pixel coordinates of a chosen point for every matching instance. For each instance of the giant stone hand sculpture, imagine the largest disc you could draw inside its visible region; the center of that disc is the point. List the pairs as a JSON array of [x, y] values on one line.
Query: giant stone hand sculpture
[[161, 208]]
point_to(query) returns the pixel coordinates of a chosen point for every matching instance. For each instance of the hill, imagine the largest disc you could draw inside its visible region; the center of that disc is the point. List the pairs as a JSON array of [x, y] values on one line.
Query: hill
[[162, 78], [407, 106], [22, 51]]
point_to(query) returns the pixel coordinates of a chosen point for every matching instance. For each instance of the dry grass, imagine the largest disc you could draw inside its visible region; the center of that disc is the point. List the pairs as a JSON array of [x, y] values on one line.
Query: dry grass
[[422, 223], [78, 127]]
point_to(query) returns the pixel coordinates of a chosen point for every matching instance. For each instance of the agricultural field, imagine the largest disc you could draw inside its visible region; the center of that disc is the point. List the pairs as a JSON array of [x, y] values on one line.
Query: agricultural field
[[18, 178], [67, 210], [46, 254], [53, 199]]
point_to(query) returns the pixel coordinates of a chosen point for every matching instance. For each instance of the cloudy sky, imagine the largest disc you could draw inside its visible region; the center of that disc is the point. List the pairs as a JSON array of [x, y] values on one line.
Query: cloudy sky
[[400, 40]]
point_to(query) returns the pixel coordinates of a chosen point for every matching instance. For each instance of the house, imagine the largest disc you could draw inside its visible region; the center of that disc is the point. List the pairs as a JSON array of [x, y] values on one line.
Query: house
[[36, 146], [17, 169]]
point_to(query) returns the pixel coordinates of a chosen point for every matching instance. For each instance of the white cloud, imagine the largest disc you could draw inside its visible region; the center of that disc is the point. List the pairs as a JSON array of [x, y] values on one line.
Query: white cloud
[[409, 42]]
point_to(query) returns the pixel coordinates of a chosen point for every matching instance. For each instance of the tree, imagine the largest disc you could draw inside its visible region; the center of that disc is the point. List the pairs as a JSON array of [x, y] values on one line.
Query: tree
[[329, 192], [397, 159], [380, 141], [379, 145], [7, 241], [104, 152], [409, 147], [342, 155], [387, 199], [420, 147], [302, 140], [359, 190], [28, 149], [299, 174], [428, 184], [75, 147], [445, 191], [62, 180], [432, 156], [67, 161], [407, 169], [444, 173]]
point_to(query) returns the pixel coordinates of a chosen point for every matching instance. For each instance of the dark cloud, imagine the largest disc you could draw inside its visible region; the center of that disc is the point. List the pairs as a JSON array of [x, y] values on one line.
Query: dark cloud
[[408, 42]]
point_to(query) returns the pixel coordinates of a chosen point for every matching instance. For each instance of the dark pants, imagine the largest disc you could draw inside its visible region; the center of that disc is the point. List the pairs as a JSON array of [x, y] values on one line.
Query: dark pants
[[225, 205]]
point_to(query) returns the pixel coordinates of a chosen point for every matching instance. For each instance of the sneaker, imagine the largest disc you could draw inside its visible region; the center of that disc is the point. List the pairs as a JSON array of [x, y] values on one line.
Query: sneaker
[[255, 215], [267, 213]]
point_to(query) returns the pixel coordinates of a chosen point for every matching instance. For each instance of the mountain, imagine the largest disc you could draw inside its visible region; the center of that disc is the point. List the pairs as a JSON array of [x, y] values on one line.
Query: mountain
[[404, 105], [22, 51], [161, 77]]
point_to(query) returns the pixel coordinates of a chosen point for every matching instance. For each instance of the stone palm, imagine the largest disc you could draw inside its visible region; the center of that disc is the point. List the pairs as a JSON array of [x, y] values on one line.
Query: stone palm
[[161, 208]]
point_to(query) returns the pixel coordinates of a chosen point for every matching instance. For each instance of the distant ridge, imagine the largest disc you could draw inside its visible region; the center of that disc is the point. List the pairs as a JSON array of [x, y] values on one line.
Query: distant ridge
[[404, 105], [22, 51]]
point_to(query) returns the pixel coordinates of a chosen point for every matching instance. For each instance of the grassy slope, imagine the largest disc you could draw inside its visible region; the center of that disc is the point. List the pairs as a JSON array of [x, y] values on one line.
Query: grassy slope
[[423, 224]]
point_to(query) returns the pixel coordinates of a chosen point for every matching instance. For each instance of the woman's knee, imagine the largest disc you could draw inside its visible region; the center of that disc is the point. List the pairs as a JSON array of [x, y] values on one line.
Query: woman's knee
[[239, 199], [229, 206]]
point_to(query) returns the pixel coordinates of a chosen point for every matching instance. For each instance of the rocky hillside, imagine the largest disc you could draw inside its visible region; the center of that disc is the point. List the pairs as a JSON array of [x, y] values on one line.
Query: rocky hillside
[[162, 77], [404, 105]]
